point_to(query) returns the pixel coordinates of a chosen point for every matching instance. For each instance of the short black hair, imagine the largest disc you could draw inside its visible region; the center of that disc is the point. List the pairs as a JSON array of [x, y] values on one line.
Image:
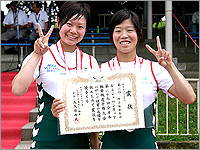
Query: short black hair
[[13, 3], [71, 8], [38, 4], [122, 15]]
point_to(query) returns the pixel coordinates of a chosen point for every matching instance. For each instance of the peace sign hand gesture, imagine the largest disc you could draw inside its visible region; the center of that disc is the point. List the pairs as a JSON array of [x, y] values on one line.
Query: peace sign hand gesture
[[41, 44], [163, 57]]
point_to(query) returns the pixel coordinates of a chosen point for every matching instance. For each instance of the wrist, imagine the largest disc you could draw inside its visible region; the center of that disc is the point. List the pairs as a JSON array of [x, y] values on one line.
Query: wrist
[[37, 54], [170, 66]]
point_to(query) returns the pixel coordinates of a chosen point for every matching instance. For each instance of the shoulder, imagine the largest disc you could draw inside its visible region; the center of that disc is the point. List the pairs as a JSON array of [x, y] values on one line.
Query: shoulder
[[86, 54], [53, 48], [104, 66], [32, 14], [44, 12], [158, 70], [156, 65], [148, 62], [10, 13], [21, 11], [89, 56]]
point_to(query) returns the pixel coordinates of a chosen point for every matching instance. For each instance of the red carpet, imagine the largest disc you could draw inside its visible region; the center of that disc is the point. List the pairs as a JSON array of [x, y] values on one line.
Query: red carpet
[[14, 111]]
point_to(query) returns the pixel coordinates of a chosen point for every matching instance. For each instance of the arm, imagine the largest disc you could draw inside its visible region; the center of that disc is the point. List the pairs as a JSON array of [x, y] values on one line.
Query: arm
[[19, 87], [94, 140], [24, 78], [45, 28], [23, 26], [9, 26], [181, 88]]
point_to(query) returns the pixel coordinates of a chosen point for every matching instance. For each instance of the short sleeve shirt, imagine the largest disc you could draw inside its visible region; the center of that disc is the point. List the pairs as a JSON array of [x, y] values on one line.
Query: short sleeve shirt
[[41, 18], [53, 64], [22, 18], [151, 75]]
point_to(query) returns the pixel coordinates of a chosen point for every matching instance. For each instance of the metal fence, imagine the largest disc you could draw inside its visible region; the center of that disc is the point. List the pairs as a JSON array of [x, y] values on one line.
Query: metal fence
[[178, 118]]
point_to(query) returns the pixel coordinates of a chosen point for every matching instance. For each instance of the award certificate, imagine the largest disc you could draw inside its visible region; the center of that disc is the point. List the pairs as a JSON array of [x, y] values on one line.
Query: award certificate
[[101, 104]]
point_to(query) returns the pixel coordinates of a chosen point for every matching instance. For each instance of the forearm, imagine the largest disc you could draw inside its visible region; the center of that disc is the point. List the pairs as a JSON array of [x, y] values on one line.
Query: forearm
[[24, 78], [94, 140], [46, 26], [22, 27], [181, 88], [8, 26]]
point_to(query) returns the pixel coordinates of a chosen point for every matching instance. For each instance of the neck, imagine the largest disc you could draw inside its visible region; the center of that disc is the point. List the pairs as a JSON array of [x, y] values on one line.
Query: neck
[[37, 12], [68, 48], [15, 11], [126, 57]]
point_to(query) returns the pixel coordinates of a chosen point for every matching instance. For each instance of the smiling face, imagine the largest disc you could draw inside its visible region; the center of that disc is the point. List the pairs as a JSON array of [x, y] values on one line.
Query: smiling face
[[35, 8], [125, 37], [73, 31]]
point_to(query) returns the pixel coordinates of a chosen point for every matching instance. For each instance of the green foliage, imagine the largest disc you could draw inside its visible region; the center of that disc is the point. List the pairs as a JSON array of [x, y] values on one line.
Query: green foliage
[[182, 120]]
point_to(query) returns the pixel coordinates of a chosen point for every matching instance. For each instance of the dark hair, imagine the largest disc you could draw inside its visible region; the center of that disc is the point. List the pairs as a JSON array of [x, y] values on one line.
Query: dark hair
[[13, 3], [8, 6], [38, 4], [122, 15], [71, 8]]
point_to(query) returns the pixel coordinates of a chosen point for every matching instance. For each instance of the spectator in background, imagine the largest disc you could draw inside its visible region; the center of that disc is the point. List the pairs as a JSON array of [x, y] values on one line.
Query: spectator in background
[[14, 19], [3, 29], [195, 22], [37, 16], [179, 11]]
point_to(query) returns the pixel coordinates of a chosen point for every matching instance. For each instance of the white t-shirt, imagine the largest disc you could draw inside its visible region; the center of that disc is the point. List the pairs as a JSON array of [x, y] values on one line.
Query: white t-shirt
[[52, 65], [195, 17], [41, 18], [22, 18], [143, 70]]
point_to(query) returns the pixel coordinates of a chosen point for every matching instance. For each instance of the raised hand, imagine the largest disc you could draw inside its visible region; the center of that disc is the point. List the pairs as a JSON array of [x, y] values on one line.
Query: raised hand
[[41, 44], [163, 57]]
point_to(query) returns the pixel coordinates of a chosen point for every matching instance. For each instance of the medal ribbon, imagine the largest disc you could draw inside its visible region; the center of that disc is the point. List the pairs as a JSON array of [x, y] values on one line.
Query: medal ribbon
[[64, 58]]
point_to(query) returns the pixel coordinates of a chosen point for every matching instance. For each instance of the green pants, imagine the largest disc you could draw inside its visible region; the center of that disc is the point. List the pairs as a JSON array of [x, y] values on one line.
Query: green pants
[[138, 139], [72, 141]]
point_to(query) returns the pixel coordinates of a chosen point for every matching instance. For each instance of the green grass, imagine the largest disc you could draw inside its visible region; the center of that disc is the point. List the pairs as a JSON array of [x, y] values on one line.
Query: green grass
[[182, 125], [172, 121]]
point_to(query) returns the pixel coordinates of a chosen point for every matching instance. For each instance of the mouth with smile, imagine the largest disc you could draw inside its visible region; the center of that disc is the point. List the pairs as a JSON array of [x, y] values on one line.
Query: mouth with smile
[[71, 36], [124, 43]]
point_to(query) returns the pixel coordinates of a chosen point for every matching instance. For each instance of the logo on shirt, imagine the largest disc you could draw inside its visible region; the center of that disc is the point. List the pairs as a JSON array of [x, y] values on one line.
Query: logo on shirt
[[51, 68], [145, 81], [84, 69], [145, 78]]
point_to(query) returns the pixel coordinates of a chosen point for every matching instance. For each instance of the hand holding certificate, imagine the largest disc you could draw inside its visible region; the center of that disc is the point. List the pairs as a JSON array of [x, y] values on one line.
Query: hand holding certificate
[[101, 103]]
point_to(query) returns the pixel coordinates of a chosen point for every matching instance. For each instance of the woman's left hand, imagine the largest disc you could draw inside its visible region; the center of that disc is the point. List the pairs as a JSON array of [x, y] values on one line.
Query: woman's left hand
[[57, 107], [163, 57]]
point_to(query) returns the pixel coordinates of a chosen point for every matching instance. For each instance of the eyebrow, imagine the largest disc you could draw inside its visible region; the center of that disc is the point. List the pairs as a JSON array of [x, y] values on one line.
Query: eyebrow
[[72, 20], [127, 27]]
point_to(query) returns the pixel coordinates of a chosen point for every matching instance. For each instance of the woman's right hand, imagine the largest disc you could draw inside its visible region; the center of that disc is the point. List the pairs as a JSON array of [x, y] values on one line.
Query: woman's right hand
[[57, 107], [41, 44]]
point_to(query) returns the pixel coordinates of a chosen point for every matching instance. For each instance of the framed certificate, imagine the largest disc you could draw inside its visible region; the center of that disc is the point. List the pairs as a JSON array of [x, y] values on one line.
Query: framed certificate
[[101, 104]]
